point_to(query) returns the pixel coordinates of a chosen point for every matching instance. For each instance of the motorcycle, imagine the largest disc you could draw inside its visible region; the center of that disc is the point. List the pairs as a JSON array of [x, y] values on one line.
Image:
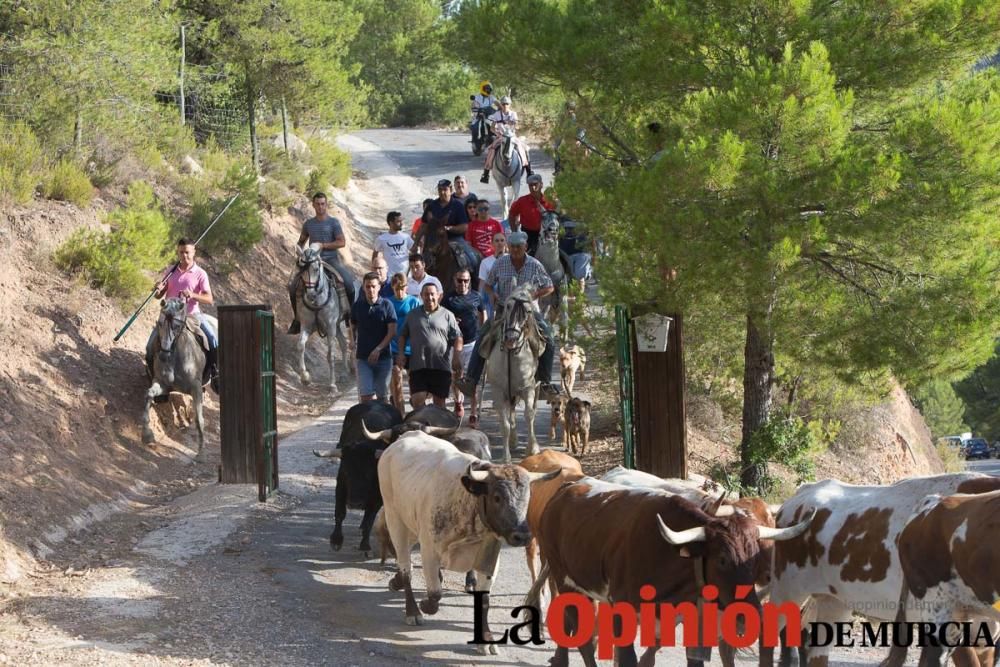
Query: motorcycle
[[480, 128]]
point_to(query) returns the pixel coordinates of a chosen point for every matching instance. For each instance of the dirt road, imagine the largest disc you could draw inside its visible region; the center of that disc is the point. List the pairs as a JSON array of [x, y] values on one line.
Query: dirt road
[[202, 574]]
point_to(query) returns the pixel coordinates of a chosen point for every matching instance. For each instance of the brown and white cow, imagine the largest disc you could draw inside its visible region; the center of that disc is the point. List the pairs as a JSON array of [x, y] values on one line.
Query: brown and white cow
[[634, 537], [548, 460], [949, 552], [458, 507], [847, 561]]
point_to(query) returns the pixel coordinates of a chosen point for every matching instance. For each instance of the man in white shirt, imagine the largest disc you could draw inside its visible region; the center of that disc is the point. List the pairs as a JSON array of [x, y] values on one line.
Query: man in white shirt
[[505, 117], [395, 244], [419, 277]]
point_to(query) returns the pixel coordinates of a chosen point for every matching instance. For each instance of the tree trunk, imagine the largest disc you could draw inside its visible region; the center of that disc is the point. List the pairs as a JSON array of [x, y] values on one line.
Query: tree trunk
[[284, 124], [252, 120], [758, 380], [78, 131], [181, 77]]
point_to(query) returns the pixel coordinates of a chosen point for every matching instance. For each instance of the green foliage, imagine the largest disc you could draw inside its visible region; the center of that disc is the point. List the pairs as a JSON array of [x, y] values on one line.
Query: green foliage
[[331, 166], [979, 392], [240, 227], [402, 51], [67, 182], [826, 180], [950, 456], [119, 261], [943, 410], [281, 168], [791, 441], [275, 195], [22, 163]]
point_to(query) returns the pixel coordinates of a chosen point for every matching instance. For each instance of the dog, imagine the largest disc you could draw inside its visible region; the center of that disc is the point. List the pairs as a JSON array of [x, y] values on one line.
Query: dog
[[557, 407], [396, 389], [577, 427], [571, 360]]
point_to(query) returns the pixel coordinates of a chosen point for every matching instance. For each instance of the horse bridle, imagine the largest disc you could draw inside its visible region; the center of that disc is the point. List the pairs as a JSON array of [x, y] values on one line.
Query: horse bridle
[[176, 327], [309, 285]]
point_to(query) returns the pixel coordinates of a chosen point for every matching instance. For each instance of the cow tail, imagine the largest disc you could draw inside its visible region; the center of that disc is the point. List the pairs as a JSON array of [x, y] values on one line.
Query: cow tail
[[534, 596]]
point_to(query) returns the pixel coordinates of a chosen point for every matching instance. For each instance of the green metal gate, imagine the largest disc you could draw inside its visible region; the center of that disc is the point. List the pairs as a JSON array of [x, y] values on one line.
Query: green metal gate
[[623, 337], [267, 456]]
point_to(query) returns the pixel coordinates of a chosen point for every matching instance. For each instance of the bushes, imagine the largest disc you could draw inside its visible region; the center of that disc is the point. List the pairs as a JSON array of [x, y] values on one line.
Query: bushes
[[118, 262], [241, 226], [22, 166], [331, 166], [67, 182]]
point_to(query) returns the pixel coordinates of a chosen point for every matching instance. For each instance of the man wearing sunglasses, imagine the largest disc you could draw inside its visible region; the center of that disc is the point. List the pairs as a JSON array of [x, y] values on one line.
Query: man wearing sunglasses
[[482, 229], [468, 308]]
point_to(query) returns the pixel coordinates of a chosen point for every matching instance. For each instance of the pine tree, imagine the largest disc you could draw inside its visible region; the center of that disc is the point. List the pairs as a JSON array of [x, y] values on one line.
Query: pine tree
[[822, 174], [943, 410]]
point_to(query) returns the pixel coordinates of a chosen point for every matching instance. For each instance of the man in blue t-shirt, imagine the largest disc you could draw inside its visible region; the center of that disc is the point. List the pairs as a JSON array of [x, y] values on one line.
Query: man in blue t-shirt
[[325, 231], [470, 311], [374, 318]]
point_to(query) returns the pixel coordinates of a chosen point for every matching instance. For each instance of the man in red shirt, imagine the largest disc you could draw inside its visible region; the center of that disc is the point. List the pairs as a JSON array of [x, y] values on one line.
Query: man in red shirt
[[482, 228], [526, 212]]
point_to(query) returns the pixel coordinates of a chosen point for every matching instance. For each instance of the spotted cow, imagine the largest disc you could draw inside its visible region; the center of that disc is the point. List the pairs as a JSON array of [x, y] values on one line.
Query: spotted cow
[[847, 561]]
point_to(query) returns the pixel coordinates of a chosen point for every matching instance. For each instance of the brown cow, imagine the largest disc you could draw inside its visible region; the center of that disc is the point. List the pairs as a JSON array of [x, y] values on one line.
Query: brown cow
[[615, 552], [545, 461], [950, 556]]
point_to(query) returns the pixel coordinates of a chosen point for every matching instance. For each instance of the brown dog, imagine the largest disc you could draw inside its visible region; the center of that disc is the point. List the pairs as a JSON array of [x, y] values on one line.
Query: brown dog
[[557, 407], [577, 428], [571, 360], [396, 389]]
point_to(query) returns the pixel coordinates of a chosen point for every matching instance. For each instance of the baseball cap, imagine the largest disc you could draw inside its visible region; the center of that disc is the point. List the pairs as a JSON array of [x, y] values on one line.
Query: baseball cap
[[534, 178], [444, 183], [517, 238], [505, 99]]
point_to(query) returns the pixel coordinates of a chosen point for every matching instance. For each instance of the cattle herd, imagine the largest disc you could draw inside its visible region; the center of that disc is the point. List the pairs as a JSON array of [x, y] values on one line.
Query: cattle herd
[[923, 550]]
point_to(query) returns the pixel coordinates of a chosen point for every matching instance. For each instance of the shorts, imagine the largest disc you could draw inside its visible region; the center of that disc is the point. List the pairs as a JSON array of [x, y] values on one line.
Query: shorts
[[430, 380], [467, 347]]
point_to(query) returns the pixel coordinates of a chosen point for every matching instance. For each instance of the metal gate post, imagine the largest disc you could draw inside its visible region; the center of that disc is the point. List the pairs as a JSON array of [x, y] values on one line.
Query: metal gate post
[[267, 457], [623, 339]]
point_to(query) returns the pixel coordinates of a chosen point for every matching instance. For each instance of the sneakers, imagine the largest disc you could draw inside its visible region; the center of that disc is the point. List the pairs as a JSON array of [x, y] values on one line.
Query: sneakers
[[485, 178], [547, 390], [294, 327], [466, 386]]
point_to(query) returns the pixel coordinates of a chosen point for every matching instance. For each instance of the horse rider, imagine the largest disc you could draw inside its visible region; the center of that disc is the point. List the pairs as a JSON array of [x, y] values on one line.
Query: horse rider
[[190, 282], [507, 117], [526, 269], [325, 231], [525, 214], [451, 212], [484, 101]]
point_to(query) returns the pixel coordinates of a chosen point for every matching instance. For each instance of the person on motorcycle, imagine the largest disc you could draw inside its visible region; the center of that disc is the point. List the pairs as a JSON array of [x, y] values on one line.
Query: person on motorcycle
[[484, 101], [505, 117]]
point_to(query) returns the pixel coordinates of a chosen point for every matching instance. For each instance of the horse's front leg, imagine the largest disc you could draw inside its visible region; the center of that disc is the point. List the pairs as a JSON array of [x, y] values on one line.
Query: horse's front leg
[[303, 339], [529, 416], [331, 361], [147, 433], [502, 411], [197, 397], [346, 350]]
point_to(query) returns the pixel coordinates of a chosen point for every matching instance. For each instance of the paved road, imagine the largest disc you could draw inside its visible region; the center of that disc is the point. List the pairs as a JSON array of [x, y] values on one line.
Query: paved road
[[989, 466]]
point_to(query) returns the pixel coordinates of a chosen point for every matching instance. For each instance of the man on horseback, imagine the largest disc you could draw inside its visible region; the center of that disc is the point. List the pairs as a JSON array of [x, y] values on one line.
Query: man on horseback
[[524, 269], [190, 282], [526, 212], [505, 117], [325, 231]]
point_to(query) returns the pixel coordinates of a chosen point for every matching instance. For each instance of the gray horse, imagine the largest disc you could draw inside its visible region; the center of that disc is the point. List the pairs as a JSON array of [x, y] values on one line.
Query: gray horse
[[553, 306], [507, 169], [511, 368], [175, 361], [319, 311]]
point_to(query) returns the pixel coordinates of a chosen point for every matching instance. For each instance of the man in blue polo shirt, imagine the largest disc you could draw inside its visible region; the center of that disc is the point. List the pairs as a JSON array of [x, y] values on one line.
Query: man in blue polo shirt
[[374, 318]]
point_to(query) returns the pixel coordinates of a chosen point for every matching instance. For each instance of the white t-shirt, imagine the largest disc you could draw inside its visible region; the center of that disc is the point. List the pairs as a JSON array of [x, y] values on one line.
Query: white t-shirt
[[485, 266], [396, 250], [414, 286], [483, 101], [508, 118]]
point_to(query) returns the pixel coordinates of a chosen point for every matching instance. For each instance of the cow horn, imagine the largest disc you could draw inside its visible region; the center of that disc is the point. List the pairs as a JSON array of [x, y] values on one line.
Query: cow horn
[[478, 475], [438, 431], [544, 476], [786, 533], [378, 435], [725, 510], [327, 453], [696, 534]]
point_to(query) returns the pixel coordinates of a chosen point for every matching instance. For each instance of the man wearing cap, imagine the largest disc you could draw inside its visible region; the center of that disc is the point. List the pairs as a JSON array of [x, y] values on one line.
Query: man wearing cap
[[448, 210], [498, 287], [526, 212], [506, 116]]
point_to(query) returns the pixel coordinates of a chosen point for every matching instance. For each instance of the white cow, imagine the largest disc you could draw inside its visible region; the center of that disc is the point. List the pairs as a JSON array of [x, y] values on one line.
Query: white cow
[[458, 508], [848, 561]]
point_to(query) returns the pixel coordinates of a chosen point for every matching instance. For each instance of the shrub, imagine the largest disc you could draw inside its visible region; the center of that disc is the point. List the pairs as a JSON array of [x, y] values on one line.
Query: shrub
[[277, 166], [241, 226], [22, 166], [68, 182], [275, 195], [331, 166], [118, 261], [951, 457], [790, 440]]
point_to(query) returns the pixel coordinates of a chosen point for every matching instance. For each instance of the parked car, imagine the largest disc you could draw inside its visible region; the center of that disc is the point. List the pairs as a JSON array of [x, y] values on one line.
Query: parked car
[[976, 448]]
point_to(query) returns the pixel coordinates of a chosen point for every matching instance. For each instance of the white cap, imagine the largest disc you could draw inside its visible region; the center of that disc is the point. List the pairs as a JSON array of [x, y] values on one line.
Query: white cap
[[505, 99]]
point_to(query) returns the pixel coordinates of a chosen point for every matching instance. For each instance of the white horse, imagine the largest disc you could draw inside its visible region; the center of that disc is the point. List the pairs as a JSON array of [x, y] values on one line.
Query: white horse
[[507, 168], [511, 368], [319, 311]]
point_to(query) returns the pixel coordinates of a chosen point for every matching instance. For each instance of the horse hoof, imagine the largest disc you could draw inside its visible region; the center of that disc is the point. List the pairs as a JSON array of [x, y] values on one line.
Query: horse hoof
[[305, 379], [415, 620]]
